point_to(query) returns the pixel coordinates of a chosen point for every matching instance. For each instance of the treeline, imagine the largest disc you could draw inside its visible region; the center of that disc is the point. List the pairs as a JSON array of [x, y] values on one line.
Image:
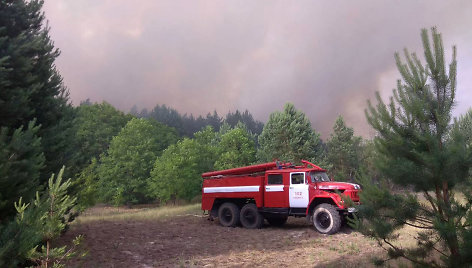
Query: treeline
[[138, 160], [187, 125], [149, 161]]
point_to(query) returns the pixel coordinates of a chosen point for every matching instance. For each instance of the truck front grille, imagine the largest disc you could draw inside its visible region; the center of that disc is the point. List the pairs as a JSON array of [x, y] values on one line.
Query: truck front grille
[[354, 196]]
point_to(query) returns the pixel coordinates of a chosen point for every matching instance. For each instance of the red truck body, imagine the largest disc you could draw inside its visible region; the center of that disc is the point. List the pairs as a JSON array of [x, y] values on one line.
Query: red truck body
[[276, 191]]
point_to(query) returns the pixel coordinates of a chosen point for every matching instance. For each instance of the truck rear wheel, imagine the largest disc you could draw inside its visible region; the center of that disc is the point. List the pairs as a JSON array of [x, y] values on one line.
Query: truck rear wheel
[[228, 215], [276, 220], [326, 219], [250, 217]]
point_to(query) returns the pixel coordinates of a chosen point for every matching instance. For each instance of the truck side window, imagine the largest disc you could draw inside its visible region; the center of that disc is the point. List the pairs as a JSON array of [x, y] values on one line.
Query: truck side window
[[298, 178], [274, 179]]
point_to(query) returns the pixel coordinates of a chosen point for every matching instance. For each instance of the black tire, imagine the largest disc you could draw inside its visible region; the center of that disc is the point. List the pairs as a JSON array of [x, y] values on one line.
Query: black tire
[[250, 217], [276, 220], [326, 219], [228, 215]]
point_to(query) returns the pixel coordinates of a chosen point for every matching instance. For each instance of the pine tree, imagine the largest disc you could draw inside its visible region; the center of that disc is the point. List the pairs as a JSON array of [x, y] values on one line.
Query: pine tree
[[213, 120], [343, 151], [42, 220], [168, 116], [288, 136], [418, 148], [247, 119], [464, 125], [55, 205], [367, 157]]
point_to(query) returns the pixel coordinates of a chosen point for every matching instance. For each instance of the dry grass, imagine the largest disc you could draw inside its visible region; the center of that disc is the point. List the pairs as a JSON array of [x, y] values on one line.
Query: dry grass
[[187, 242], [105, 213]]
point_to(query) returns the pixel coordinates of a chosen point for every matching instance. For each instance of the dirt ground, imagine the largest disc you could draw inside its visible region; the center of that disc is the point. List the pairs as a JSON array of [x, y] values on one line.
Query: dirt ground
[[193, 241]]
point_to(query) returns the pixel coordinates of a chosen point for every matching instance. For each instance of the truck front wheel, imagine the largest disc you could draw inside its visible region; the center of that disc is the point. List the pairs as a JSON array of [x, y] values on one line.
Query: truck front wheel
[[250, 217], [228, 215], [326, 219]]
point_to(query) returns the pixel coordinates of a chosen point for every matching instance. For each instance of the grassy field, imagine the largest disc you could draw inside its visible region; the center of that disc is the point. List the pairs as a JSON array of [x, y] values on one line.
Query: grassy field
[[107, 213], [181, 236]]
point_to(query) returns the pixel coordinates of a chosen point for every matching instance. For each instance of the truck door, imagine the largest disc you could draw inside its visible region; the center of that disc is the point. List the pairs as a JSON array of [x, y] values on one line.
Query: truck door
[[275, 194], [298, 190]]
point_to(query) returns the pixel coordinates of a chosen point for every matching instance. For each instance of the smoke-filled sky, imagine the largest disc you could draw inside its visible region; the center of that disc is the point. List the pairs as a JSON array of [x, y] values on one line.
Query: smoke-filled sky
[[326, 57]]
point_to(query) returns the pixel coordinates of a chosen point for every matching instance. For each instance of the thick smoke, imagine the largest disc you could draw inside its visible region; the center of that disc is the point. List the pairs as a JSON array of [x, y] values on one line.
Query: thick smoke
[[326, 57]]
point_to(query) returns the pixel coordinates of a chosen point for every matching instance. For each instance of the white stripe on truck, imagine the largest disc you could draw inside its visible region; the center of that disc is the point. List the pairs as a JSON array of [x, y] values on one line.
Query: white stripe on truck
[[231, 189]]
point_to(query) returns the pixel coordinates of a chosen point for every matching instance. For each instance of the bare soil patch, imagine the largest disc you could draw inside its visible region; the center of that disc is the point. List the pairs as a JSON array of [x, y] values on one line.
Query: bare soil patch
[[193, 241]]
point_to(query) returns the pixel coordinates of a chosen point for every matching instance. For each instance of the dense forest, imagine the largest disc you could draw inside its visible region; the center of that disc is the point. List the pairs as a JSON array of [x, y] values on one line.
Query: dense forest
[[57, 159], [147, 157]]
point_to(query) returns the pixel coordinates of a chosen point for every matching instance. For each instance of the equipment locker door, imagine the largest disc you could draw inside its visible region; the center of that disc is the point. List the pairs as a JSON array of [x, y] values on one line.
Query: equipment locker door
[[298, 190], [275, 194]]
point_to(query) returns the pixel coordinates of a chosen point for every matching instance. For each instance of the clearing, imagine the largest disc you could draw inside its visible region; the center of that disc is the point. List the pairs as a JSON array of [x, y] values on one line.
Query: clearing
[[183, 237]]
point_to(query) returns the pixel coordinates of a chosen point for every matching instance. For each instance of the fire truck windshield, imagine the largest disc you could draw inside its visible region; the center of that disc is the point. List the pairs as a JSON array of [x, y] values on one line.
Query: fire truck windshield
[[317, 176]]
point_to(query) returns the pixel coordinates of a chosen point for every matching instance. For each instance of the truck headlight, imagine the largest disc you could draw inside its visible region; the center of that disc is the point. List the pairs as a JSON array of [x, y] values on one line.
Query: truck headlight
[[351, 210]]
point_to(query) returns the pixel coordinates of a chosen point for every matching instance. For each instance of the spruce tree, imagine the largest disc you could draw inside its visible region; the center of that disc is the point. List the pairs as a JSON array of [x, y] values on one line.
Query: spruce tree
[[21, 160], [343, 151], [30, 86], [418, 148], [36, 122]]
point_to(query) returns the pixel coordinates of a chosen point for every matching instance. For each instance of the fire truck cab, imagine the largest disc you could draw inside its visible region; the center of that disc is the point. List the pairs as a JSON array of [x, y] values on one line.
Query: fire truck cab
[[274, 191]]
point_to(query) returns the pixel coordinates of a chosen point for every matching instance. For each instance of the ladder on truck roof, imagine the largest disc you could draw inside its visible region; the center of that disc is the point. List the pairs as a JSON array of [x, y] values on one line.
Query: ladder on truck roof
[[256, 169], [242, 170]]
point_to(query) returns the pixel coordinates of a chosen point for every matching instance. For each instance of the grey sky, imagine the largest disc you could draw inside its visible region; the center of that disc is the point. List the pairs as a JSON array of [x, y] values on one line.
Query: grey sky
[[326, 57]]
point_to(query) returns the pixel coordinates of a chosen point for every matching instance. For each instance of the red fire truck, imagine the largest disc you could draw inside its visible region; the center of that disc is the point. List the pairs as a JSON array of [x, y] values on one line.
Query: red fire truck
[[274, 191]]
